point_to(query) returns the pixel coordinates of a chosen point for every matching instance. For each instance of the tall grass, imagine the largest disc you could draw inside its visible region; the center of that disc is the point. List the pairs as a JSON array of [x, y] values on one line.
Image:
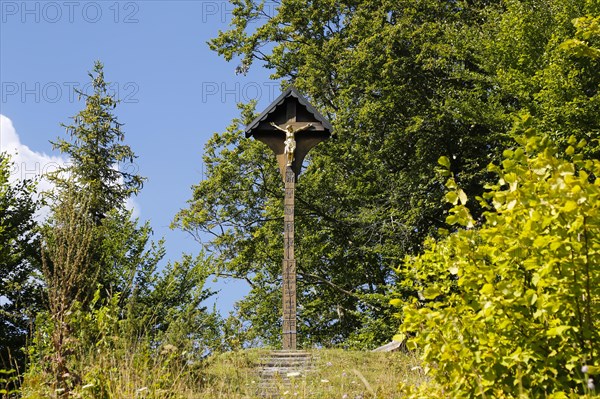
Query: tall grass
[[128, 373], [125, 371]]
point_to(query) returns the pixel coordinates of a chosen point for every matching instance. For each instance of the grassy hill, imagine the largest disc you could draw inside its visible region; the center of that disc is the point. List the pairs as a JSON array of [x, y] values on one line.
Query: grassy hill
[[337, 374]]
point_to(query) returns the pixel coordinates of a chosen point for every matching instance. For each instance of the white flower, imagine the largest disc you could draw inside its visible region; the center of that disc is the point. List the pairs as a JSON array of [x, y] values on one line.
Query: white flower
[[584, 369], [590, 384]]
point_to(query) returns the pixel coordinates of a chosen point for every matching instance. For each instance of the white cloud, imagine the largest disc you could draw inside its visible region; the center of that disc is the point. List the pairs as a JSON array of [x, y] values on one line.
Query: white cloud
[[29, 164]]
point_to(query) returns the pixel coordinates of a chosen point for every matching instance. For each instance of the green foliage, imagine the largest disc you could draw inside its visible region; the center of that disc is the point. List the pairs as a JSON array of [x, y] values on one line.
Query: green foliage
[[107, 301], [20, 265], [128, 253], [150, 345], [94, 149], [109, 361], [97, 165], [172, 311], [9, 382], [540, 64], [404, 82], [68, 273], [588, 30], [510, 306]]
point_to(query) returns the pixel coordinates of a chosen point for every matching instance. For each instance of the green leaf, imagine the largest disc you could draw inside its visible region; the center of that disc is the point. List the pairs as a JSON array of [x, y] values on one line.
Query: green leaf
[[570, 206], [487, 289], [452, 197], [463, 197], [592, 370], [401, 337], [444, 161], [396, 302], [556, 331], [431, 293], [570, 150], [558, 395], [452, 219], [541, 241]]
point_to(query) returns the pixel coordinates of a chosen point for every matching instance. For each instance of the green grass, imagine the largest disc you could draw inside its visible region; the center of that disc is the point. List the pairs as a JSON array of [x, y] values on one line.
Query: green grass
[[233, 375], [337, 374]]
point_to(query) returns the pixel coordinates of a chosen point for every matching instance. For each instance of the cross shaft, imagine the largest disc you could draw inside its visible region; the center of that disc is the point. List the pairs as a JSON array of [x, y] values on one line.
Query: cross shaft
[[289, 263]]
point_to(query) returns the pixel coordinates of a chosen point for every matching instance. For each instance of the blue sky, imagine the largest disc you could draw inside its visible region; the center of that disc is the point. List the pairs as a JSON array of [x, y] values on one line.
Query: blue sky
[[175, 92]]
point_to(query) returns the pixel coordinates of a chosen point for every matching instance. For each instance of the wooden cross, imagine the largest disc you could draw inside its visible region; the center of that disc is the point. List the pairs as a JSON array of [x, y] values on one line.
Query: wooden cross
[[290, 126]]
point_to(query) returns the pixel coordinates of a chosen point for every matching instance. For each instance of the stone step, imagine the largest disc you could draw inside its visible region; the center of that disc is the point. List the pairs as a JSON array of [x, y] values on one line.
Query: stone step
[[284, 369], [275, 369], [289, 356], [284, 376], [284, 363]]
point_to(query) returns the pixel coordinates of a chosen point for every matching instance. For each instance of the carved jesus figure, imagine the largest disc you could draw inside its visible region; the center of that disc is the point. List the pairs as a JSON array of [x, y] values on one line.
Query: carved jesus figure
[[290, 140]]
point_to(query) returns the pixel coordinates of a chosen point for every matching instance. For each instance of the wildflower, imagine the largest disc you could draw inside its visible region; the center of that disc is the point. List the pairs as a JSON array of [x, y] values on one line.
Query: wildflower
[[329, 364], [344, 374], [584, 369], [590, 384]]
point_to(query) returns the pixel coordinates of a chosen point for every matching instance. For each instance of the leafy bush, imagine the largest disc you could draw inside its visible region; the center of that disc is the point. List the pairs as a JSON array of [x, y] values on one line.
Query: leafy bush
[[108, 356], [509, 307]]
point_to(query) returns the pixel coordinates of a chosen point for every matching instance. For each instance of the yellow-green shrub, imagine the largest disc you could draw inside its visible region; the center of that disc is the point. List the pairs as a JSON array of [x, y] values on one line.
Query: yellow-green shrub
[[510, 307]]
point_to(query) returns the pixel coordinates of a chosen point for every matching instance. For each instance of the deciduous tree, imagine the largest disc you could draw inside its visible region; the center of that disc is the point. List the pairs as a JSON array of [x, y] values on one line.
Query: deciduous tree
[[403, 83], [20, 291]]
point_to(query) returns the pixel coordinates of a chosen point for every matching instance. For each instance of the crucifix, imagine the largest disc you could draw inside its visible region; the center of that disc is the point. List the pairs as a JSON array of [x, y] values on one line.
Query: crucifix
[[290, 126], [290, 140]]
